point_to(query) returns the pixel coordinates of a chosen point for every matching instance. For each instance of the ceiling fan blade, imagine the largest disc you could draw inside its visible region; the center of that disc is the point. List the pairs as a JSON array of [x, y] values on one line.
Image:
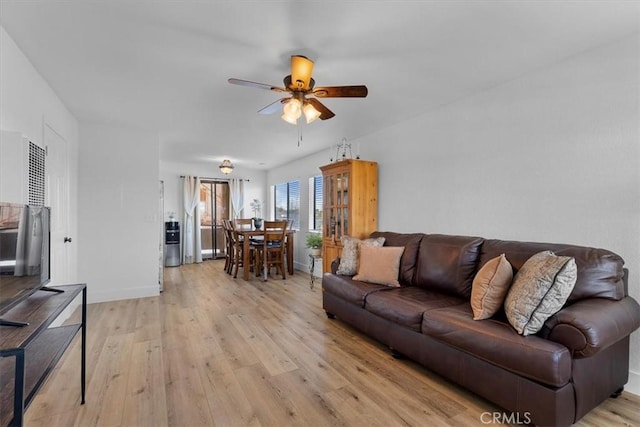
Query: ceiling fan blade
[[359, 91], [325, 113], [274, 107], [301, 70], [247, 83]]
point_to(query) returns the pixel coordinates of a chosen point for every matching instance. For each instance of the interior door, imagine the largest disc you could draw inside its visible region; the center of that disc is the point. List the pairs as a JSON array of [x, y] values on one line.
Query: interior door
[[57, 185]]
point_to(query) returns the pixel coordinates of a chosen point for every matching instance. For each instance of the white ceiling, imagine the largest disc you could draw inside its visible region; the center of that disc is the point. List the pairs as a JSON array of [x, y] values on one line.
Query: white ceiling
[[163, 66]]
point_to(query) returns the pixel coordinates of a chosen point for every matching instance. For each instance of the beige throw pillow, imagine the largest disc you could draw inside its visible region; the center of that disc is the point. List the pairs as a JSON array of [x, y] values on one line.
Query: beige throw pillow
[[349, 255], [379, 265], [490, 286], [541, 287]]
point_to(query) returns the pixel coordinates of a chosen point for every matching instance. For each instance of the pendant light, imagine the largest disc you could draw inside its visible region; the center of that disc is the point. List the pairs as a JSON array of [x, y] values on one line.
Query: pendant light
[[226, 167]]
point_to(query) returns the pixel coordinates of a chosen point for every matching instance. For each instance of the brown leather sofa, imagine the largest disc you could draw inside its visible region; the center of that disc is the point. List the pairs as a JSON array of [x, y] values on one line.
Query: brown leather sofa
[[578, 359]]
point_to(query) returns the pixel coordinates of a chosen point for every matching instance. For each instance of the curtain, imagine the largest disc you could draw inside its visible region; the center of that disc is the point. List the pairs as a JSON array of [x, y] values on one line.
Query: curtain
[[237, 197], [191, 245]]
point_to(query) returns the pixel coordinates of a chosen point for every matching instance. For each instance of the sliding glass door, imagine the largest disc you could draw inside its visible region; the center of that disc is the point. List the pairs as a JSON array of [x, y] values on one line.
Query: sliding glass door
[[214, 207]]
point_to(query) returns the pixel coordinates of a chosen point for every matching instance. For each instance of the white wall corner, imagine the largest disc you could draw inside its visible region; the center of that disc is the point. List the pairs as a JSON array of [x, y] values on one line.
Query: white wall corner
[[633, 386]]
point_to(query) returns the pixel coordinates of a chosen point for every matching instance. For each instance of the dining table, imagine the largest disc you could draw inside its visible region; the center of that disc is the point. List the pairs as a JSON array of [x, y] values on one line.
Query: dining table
[[248, 234]]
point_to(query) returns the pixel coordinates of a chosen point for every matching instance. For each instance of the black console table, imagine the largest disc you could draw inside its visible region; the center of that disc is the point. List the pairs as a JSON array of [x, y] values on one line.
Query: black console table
[[32, 351]]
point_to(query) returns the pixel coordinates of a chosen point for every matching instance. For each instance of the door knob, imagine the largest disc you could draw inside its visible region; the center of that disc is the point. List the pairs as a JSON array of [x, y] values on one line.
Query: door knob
[[67, 239]]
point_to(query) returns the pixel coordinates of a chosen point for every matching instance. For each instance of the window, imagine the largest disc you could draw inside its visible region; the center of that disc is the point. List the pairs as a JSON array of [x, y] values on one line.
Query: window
[[315, 203], [287, 202]]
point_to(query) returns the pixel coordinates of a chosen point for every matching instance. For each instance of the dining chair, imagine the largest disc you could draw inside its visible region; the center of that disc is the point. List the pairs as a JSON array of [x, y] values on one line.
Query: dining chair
[[270, 252], [238, 251], [286, 238], [227, 226], [243, 223]]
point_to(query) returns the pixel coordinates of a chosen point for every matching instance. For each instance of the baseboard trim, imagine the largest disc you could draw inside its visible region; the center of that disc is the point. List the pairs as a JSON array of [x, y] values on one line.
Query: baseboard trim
[[120, 294], [317, 272], [633, 386]]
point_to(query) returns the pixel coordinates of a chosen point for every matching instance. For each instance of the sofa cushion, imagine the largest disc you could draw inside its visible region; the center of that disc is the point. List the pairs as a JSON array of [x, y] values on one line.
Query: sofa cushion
[[496, 342], [348, 289], [600, 272], [379, 265], [350, 253], [406, 304], [409, 260], [490, 286], [448, 263], [539, 290]]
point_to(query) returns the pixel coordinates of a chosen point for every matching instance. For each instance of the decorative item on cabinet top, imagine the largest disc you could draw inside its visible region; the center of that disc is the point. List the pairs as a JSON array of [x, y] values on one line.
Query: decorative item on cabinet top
[[341, 151]]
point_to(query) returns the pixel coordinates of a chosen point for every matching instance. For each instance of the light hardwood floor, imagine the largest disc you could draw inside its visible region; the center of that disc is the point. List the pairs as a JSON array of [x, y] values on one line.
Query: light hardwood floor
[[211, 350]]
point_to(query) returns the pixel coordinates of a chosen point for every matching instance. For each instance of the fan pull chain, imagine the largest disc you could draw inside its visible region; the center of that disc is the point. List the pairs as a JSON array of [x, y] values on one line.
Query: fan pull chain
[[299, 132]]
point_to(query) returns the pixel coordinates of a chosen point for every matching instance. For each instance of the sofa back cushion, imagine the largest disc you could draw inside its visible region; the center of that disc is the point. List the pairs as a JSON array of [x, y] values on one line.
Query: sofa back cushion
[[409, 259], [600, 272], [448, 263]]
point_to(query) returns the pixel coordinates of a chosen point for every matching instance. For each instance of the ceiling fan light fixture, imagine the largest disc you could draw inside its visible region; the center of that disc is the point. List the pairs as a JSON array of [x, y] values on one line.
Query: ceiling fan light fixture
[[310, 112], [292, 110], [226, 167], [289, 119], [299, 84], [293, 107]]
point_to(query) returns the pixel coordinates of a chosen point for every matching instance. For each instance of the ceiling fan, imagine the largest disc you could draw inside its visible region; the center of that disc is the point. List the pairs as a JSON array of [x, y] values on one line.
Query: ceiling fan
[[300, 84]]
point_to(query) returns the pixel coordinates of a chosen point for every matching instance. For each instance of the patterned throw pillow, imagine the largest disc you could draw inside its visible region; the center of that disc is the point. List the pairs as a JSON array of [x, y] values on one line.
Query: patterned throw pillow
[[349, 256], [490, 287], [379, 265], [541, 287]]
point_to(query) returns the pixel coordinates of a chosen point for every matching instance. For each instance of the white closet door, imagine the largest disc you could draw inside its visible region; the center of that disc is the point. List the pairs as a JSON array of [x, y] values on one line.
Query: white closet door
[[58, 199]]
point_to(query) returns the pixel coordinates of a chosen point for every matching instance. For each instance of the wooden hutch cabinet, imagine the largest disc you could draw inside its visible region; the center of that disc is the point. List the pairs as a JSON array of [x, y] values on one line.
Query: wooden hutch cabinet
[[350, 204]]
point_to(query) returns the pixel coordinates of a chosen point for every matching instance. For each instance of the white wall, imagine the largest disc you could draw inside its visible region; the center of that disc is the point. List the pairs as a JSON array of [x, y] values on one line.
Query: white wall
[[300, 170], [110, 158], [27, 104], [119, 221], [553, 156]]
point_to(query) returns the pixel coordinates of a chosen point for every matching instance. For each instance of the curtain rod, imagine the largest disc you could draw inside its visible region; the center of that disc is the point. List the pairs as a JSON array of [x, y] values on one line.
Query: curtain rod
[[217, 179]]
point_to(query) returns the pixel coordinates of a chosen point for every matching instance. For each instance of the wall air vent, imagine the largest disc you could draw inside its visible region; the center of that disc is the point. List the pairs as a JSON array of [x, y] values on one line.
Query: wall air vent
[[37, 156]]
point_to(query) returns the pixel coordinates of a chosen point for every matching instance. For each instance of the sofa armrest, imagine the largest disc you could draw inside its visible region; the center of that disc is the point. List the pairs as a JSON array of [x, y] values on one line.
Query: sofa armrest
[[591, 325], [334, 265]]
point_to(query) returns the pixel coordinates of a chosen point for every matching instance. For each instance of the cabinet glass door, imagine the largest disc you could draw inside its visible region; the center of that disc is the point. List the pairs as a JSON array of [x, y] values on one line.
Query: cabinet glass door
[[343, 203], [329, 204], [345, 189], [336, 207]]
